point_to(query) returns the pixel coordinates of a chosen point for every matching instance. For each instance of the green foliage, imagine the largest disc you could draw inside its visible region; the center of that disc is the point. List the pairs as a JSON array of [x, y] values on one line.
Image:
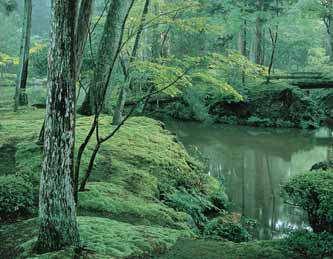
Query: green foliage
[[192, 203], [310, 245], [226, 228], [314, 193], [16, 197], [38, 59]]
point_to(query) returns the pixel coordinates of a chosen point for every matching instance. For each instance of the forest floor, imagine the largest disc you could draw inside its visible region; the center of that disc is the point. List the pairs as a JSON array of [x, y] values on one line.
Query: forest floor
[[124, 213]]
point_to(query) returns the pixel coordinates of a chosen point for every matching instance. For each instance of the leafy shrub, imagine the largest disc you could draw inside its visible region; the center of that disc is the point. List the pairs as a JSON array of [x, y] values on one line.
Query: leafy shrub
[[192, 203], [38, 59], [256, 121], [309, 244], [314, 193], [16, 197], [227, 228]]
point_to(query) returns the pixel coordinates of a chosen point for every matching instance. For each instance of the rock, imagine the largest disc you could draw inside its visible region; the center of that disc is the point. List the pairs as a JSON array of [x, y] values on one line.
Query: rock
[[325, 166]]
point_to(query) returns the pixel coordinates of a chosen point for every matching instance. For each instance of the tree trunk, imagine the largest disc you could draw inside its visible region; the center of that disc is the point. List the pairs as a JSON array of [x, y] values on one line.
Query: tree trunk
[[82, 30], [118, 114], [57, 216], [242, 43], [330, 40], [108, 51], [259, 35], [20, 91]]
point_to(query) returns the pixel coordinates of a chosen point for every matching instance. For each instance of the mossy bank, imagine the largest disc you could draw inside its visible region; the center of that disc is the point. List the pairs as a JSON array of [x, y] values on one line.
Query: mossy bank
[[132, 192]]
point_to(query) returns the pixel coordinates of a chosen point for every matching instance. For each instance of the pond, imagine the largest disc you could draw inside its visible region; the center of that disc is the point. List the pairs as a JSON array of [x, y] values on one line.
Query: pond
[[252, 163]]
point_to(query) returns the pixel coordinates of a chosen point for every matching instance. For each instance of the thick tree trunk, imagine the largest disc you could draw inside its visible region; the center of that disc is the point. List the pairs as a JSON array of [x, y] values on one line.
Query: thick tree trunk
[[57, 216], [108, 51], [20, 91], [81, 31], [118, 114]]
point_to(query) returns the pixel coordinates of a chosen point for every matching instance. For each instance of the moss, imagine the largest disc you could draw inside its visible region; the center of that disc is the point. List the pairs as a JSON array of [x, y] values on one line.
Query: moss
[[202, 248], [113, 201], [132, 173], [7, 162], [101, 238], [16, 197]]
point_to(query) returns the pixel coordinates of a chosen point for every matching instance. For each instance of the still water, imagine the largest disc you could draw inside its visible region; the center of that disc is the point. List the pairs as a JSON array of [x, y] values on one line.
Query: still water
[[252, 163]]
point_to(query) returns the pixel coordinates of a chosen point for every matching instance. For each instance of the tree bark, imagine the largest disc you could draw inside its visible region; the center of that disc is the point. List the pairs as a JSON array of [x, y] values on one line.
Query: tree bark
[[57, 216], [21, 97], [259, 35], [328, 20], [108, 51], [242, 42], [118, 114], [82, 30]]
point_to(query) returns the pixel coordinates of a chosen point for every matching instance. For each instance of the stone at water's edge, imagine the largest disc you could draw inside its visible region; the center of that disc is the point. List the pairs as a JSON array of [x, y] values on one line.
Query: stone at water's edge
[[325, 166]]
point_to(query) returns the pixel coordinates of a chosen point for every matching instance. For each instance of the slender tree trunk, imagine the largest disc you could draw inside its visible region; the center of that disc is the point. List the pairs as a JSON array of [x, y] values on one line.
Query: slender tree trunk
[[259, 35], [330, 37], [21, 97], [118, 114], [82, 30], [242, 44], [57, 216], [107, 54]]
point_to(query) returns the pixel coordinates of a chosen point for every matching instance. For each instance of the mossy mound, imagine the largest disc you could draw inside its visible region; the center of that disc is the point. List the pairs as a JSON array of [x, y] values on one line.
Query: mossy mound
[[126, 198], [133, 174], [113, 201], [202, 248], [100, 237]]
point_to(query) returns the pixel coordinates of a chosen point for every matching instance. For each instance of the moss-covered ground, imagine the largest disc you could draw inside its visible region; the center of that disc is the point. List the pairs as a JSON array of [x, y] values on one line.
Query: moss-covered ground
[[144, 199]]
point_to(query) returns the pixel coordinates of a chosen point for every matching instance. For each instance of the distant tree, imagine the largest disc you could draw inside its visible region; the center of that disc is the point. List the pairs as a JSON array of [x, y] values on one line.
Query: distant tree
[[118, 113], [21, 97], [108, 51], [57, 215]]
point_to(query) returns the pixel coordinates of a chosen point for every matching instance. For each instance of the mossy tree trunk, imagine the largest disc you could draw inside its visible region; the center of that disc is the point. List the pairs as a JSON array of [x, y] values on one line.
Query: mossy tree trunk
[[81, 31], [21, 97], [328, 20], [108, 51], [57, 216], [118, 113]]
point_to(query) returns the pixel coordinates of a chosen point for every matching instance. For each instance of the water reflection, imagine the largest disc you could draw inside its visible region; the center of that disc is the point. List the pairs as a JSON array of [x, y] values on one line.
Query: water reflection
[[253, 163]]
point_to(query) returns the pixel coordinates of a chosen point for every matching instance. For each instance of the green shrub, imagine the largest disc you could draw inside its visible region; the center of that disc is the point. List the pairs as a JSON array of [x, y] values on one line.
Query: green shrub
[[262, 122], [314, 193], [38, 59], [16, 197], [191, 202], [222, 227], [309, 244]]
